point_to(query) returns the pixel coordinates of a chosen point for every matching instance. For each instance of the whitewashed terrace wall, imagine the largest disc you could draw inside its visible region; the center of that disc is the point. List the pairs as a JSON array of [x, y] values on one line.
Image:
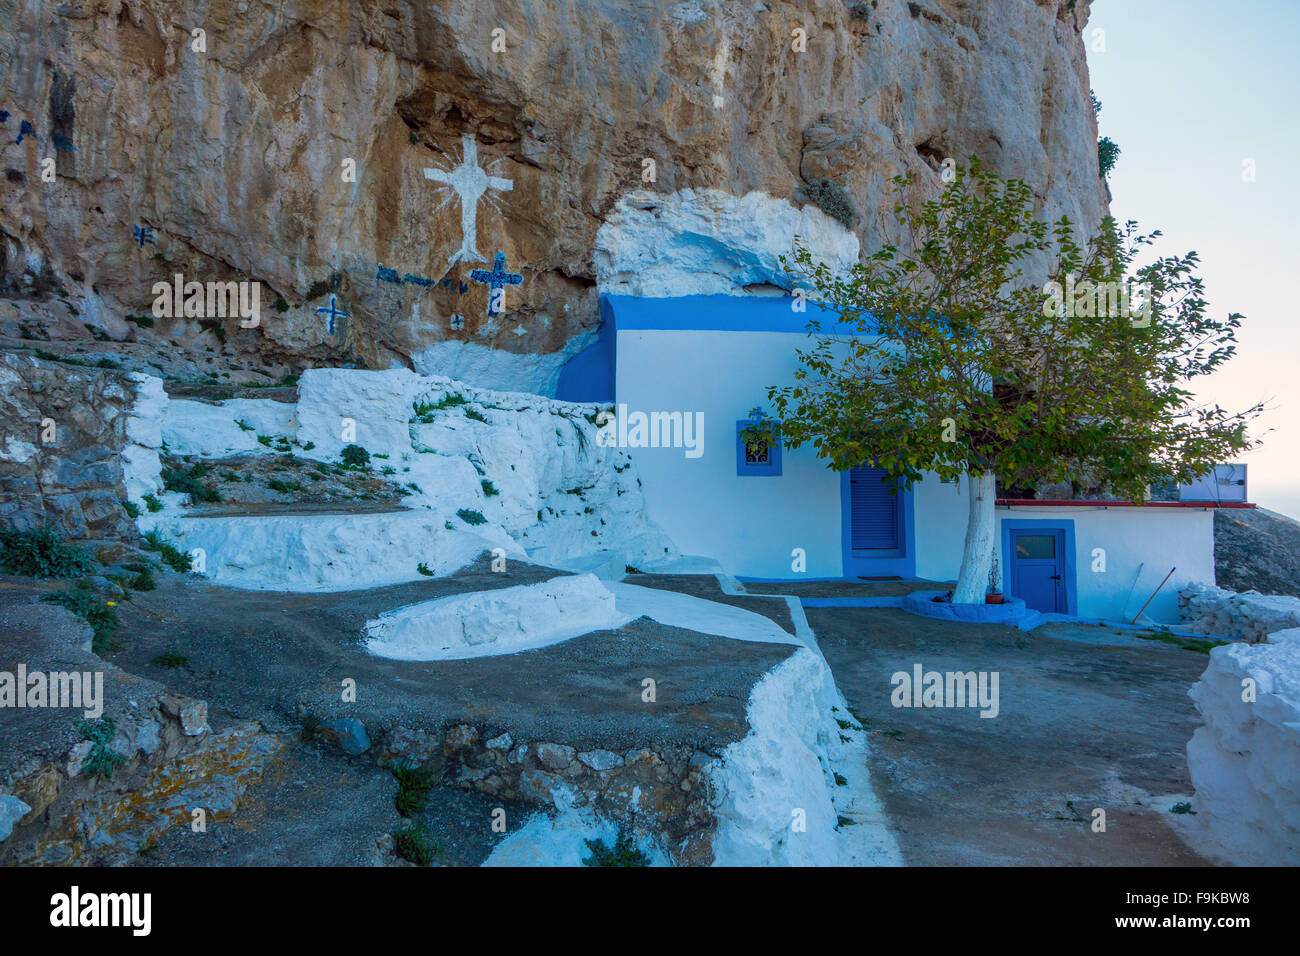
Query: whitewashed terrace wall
[[1245, 761]]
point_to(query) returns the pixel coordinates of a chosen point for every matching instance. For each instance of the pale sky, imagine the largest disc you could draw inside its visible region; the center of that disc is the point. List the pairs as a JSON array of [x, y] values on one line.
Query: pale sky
[[1190, 90]]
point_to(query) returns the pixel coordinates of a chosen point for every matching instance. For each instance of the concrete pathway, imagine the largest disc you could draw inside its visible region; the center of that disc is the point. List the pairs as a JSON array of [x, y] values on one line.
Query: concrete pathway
[[1079, 727]]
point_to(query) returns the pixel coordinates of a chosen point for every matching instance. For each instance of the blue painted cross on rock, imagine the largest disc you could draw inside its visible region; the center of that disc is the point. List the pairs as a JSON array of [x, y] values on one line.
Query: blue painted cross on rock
[[143, 234], [333, 311], [497, 279]]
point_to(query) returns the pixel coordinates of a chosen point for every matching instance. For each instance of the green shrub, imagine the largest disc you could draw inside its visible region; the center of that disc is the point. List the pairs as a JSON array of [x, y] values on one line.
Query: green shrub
[[173, 558], [284, 487], [415, 844], [424, 410], [423, 568], [84, 602], [171, 659], [152, 503], [41, 553], [354, 456], [243, 425], [413, 786], [831, 198], [489, 489], [475, 414], [623, 853], [101, 761], [471, 517], [1107, 153], [143, 581], [131, 508], [187, 481]]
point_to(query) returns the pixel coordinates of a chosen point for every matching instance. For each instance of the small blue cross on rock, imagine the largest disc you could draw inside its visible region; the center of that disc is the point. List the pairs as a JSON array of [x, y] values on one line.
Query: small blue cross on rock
[[496, 280], [333, 311], [142, 235], [457, 321]]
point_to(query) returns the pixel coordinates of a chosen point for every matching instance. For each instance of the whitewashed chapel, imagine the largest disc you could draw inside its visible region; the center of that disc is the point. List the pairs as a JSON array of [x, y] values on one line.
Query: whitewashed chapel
[[697, 324]]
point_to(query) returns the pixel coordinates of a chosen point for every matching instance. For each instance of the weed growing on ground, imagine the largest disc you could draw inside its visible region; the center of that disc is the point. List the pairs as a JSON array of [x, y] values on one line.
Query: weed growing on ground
[[101, 761], [188, 481], [623, 853], [1197, 644], [143, 581], [173, 558], [41, 553], [413, 786], [354, 456], [416, 845], [86, 603], [471, 517]]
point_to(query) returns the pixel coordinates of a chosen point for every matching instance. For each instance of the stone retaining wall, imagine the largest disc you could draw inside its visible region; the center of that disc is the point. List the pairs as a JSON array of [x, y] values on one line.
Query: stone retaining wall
[[73, 482], [1250, 616], [662, 789]]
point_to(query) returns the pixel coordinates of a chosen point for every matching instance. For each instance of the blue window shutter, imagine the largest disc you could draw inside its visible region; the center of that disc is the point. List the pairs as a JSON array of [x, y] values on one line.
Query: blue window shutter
[[874, 510]]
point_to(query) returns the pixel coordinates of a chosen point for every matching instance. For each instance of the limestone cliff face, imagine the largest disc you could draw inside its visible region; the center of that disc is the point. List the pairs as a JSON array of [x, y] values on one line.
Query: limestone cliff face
[[237, 158]]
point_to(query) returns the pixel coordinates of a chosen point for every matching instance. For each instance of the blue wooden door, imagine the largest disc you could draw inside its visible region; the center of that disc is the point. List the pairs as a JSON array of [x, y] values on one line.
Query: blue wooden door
[[1038, 568], [874, 512]]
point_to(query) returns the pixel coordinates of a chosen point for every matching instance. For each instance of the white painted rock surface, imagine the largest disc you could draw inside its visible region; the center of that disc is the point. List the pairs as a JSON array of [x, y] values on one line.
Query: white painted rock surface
[[705, 242], [500, 621], [1245, 761], [199, 428], [777, 803], [332, 552], [561, 841], [529, 465], [698, 614]]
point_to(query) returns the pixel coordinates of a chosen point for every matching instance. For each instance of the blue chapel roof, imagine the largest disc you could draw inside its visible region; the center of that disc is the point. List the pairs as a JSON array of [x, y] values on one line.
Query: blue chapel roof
[[716, 313]]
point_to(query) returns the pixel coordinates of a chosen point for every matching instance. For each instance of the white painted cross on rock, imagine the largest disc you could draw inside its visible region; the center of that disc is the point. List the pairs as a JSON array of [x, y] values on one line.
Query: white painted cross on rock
[[470, 183]]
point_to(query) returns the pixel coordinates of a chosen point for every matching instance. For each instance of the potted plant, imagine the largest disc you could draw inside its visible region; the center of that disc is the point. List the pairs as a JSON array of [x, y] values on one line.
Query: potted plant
[[759, 434], [994, 595]]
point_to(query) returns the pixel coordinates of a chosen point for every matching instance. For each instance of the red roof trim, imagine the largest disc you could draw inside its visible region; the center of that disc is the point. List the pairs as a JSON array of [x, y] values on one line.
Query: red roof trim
[[1080, 503]]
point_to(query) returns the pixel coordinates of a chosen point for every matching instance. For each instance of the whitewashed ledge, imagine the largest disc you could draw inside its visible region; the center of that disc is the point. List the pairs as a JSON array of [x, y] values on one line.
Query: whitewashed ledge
[[1245, 761]]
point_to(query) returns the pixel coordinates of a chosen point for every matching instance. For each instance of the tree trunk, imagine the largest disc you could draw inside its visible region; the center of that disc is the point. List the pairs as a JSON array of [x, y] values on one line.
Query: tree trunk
[[977, 556]]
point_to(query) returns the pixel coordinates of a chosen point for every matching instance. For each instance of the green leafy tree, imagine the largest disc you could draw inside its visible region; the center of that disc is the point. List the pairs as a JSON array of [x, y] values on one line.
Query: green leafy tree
[[941, 355]]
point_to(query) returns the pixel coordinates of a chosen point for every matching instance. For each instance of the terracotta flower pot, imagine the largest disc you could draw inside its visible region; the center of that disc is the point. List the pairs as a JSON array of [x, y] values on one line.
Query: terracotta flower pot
[[993, 598]]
